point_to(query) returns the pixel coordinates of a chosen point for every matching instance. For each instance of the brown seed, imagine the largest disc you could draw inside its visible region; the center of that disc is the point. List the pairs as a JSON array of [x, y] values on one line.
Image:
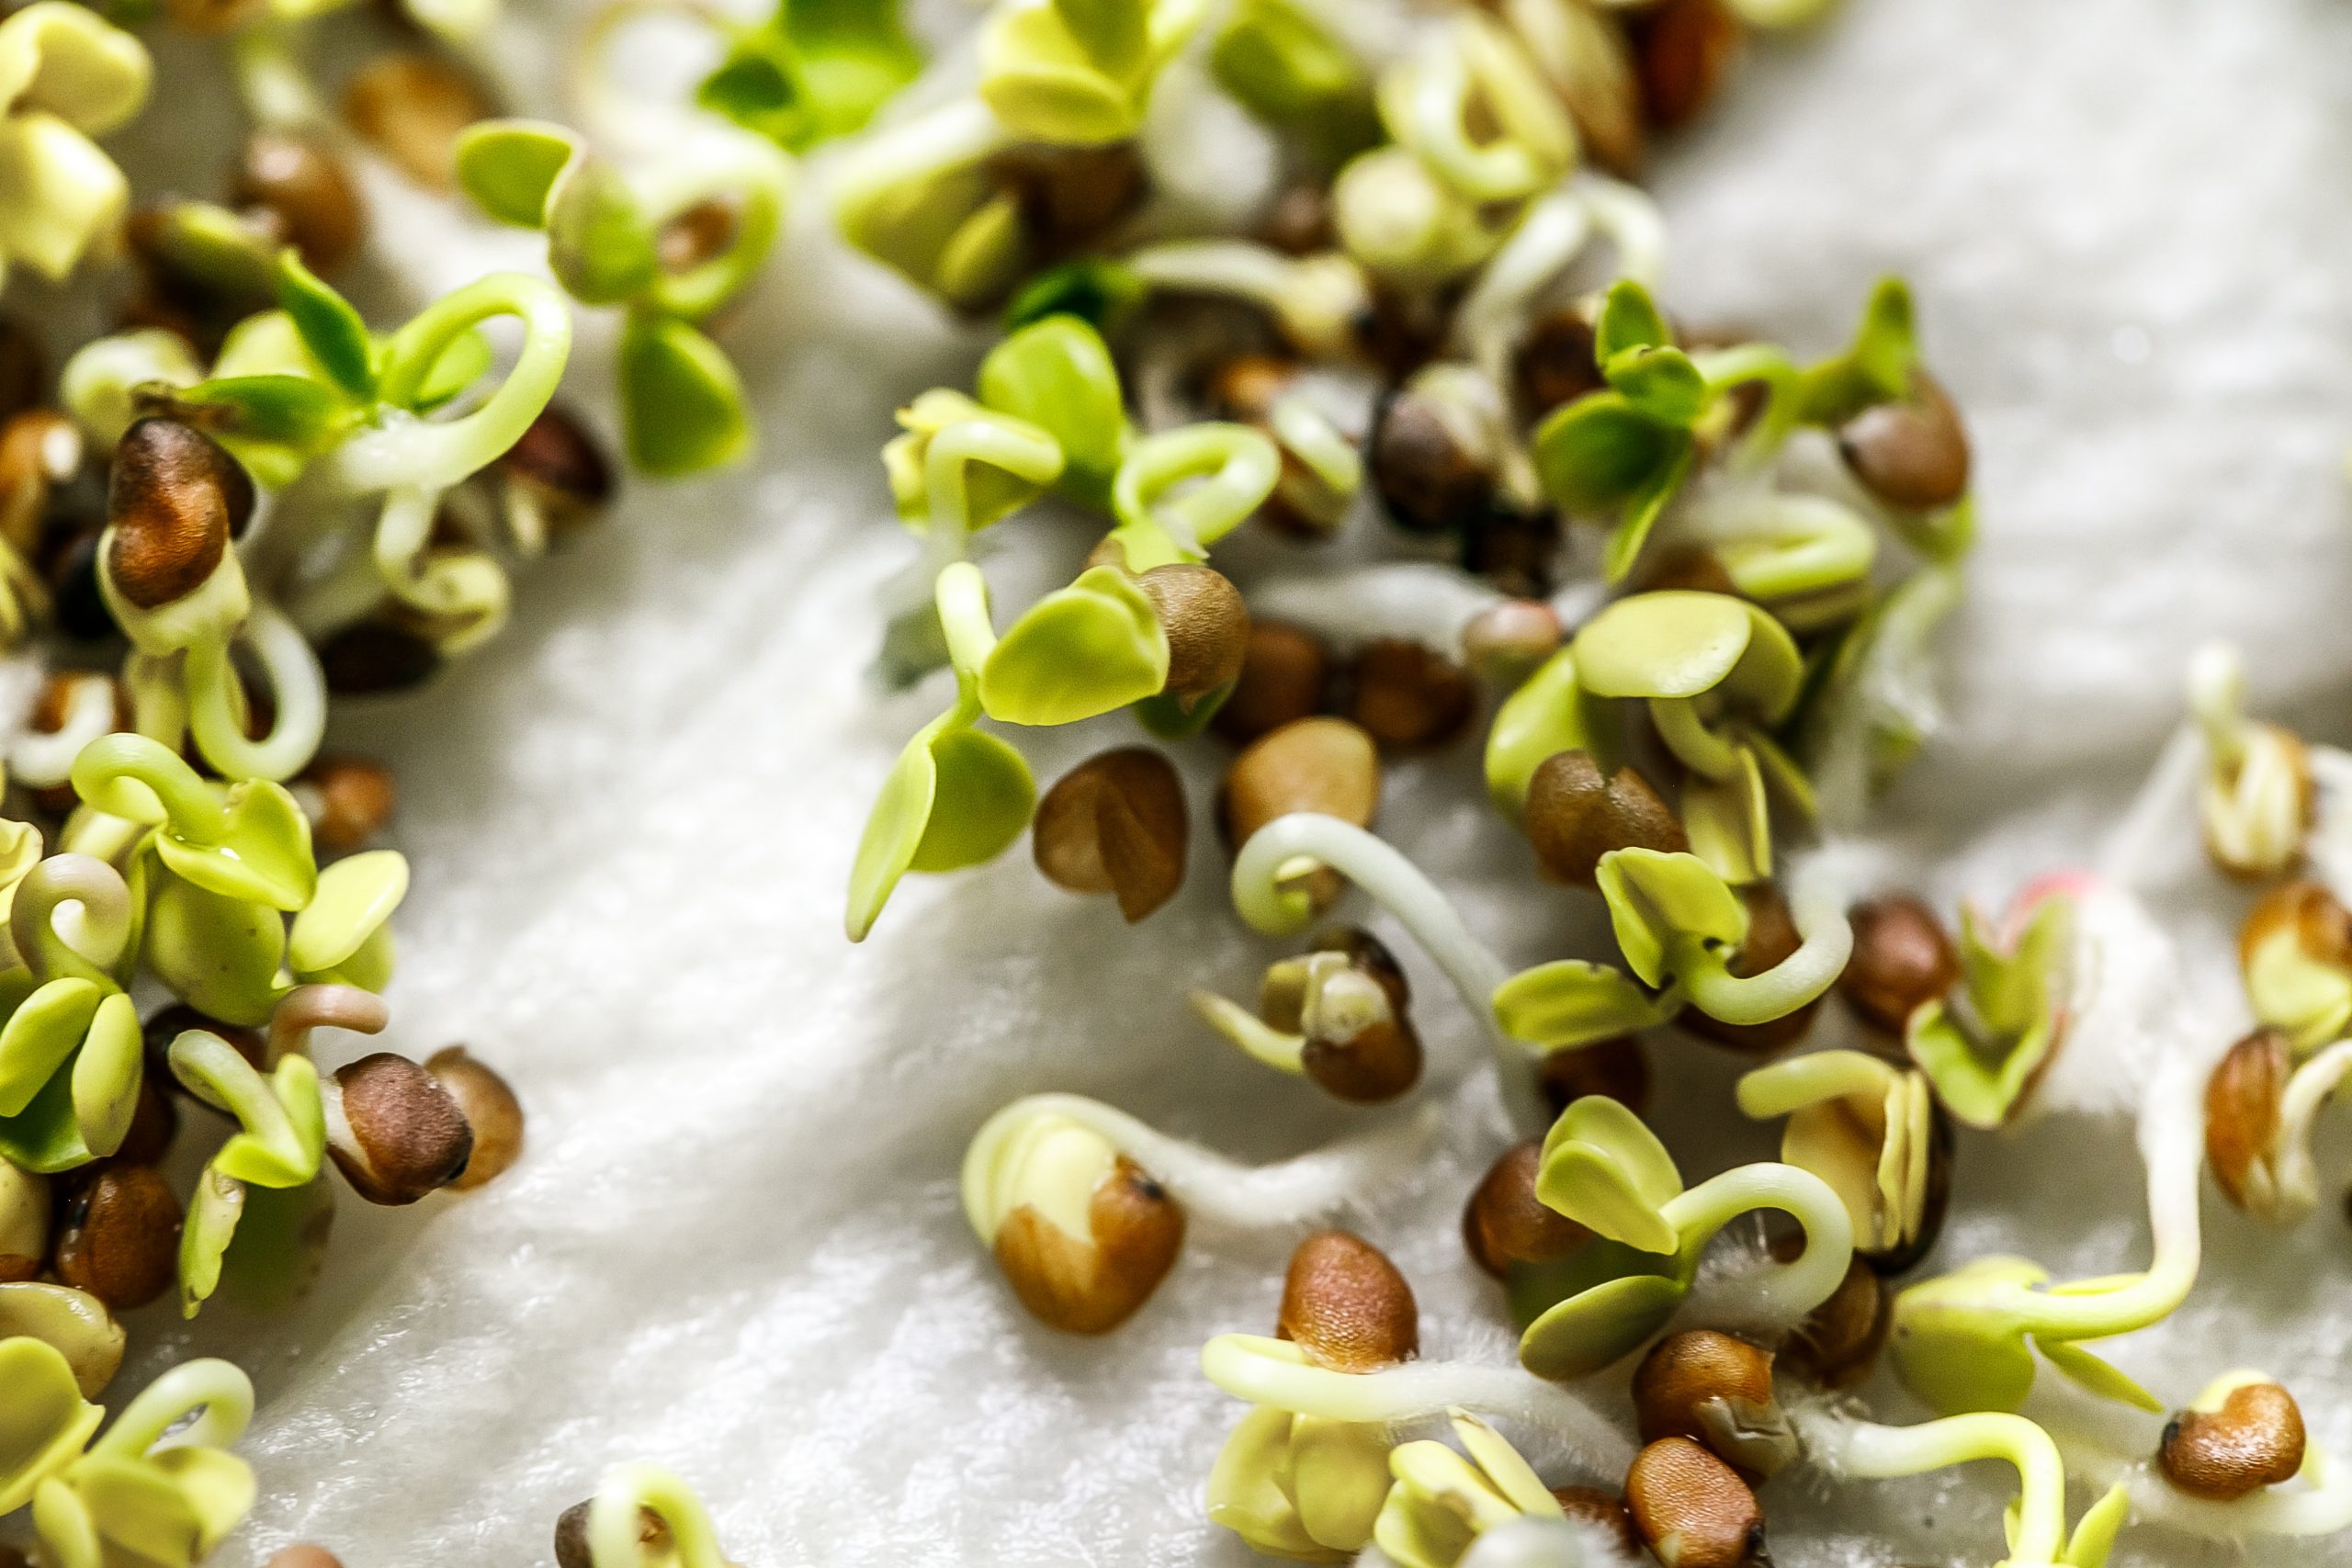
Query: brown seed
[[1913, 453], [1691, 569], [120, 1236], [698, 234], [1505, 1224], [305, 1556], [571, 1536], [1116, 823], [411, 108], [10, 1557], [40, 451], [1284, 670], [1244, 387], [1070, 195], [491, 1109], [1350, 998], [24, 369], [1683, 51], [1430, 462], [1836, 1346], [1505, 642], [371, 658], [1514, 549], [1771, 937], [155, 1123], [306, 188], [1300, 221], [167, 1023], [1207, 627], [1692, 1510], [2255, 1439], [1409, 696], [175, 501], [1556, 364], [1603, 1509], [1617, 1067], [350, 799], [2322, 927], [23, 1223], [2242, 1102], [395, 1133], [562, 467], [1092, 1284], [1346, 1305], [1716, 1391], [1327, 765], [1574, 817], [1901, 958]]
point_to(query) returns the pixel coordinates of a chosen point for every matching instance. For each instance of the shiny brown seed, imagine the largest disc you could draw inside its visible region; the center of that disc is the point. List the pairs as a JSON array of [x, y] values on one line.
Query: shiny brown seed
[[1913, 453], [1116, 823], [175, 501], [1327, 765], [1604, 1510], [374, 658], [155, 1123], [489, 1104], [1838, 1343], [2253, 1438], [562, 468], [1716, 1391], [1574, 815], [1360, 1044], [1505, 642], [1692, 1510], [1092, 1284], [394, 1131], [1505, 1224], [1070, 195], [1683, 51], [301, 183], [412, 107], [1556, 364], [120, 1237], [1284, 672], [1901, 958], [2242, 1102], [1409, 696], [305, 1556], [1430, 462], [348, 800], [1617, 1067], [571, 1536], [1207, 627], [1346, 1305], [24, 368], [1771, 937]]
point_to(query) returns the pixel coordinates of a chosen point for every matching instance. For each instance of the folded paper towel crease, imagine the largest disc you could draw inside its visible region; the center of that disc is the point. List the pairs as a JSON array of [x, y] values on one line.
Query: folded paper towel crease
[[734, 1247]]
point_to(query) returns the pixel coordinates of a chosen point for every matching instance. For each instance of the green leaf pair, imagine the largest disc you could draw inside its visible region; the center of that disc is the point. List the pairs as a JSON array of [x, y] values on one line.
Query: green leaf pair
[[1985, 1047], [66, 76], [1874, 368], [1079, 73], [1440, 1502], [958, 797], [1300, 1486], [1965, 1341], [815, 70]]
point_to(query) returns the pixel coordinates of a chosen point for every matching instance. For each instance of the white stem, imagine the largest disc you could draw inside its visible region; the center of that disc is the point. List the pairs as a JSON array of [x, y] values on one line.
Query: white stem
[[1817, 908], [1493, 315], [2293, 1172], [1420, 600], [45, 759], [2160, 815], [298, 690]]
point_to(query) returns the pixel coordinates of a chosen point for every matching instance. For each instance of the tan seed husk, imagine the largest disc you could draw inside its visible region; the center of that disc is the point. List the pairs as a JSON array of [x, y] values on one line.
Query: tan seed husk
[[1360, 1044], [2242, 1100], [2323, 927], [1345, 1304], [1901, 958], [1428, 465], [1692, 1510], [1284, 672], [1410, 697], [1716, 1391], [307, 190], [1556, 364], [1116, 823], [1505, 1224], [571, 1536], [355, 797], [402, 1134], [1206, 623], [491, 1110], [1504, 643], [1327, 765], [1574, 815], [2255, 1440], [1092, 1284], [119, 1238], [1912, 453]]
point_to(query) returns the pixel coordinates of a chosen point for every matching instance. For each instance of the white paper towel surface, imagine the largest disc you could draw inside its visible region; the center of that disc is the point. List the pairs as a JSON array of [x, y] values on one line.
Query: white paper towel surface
[[734, 1247]]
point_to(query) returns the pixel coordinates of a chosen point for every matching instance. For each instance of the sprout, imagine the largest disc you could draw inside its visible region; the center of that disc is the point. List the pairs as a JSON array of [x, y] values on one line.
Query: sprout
[[1300, 1486], [2259, 1111], [1986, 1046], [1550, 713], [1966, 1340], [808, 73], [1604, 1169], [641, 1517], [1506, 1227], [2038, 1537], [682, 402], [2255, 799], [1441, 1503], [68, 76], [1875, 1134], [2295, 954], [1084, 1207], [1717, 1391], [70, 1052], [1337, 1015]]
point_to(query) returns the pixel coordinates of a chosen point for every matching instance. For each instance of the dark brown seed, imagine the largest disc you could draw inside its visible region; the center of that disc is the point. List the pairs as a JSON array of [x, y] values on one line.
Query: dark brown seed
[[1116, 823], [491, 1109], [305, 1556], [1505, 643], [1555, 364], [155, 1123], [1901, 958], [354, 796], [24, 369], [1574, 817], [2242, 1111], [1284, 672], [175, 501], [412, 107], [371, 658], [1360, 1044], [1429, 463], [1409, 696], [1091, 1284], [572, 1535], [2255, 1440], [561, 464], [120, 1237], [1603, 1509], [395, 1133], [1716, 1390], [1692, 1510], [1207, 627], [1836, 1346], [1070, 195], [306, 188], [1514, 549], [1244, 387], [169, 1023], [71, 570], [1911, 454], [1683, 51], [1300, 222], [1505, 1222], [1346, 1305], [1616, 1068], [1771, 937]]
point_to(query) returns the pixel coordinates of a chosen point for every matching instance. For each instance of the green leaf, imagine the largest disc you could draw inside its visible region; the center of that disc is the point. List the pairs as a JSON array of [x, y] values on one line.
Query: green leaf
[[261, 852], [221, 955], [1058, 374], [1658, 901], [1957, 1343], [1661, 383], [1600, 452], [294, 412], [46, 1136], [819, 69], [1550, 713], [356, 896], [601, 246], [509, 166], [682, 402], [1081, 650], [1600, 1327], [44, 1423], [1282, 66], [2095, 1531], [280, 1245], [2100, 1377], [463, 363], [1605, 1169], [1875, 368], [985, 795], [1099, 292], [1673, 643], [1643, 511], [1572, 1002], [331, 329], [40, 1036], [1628, 321]]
